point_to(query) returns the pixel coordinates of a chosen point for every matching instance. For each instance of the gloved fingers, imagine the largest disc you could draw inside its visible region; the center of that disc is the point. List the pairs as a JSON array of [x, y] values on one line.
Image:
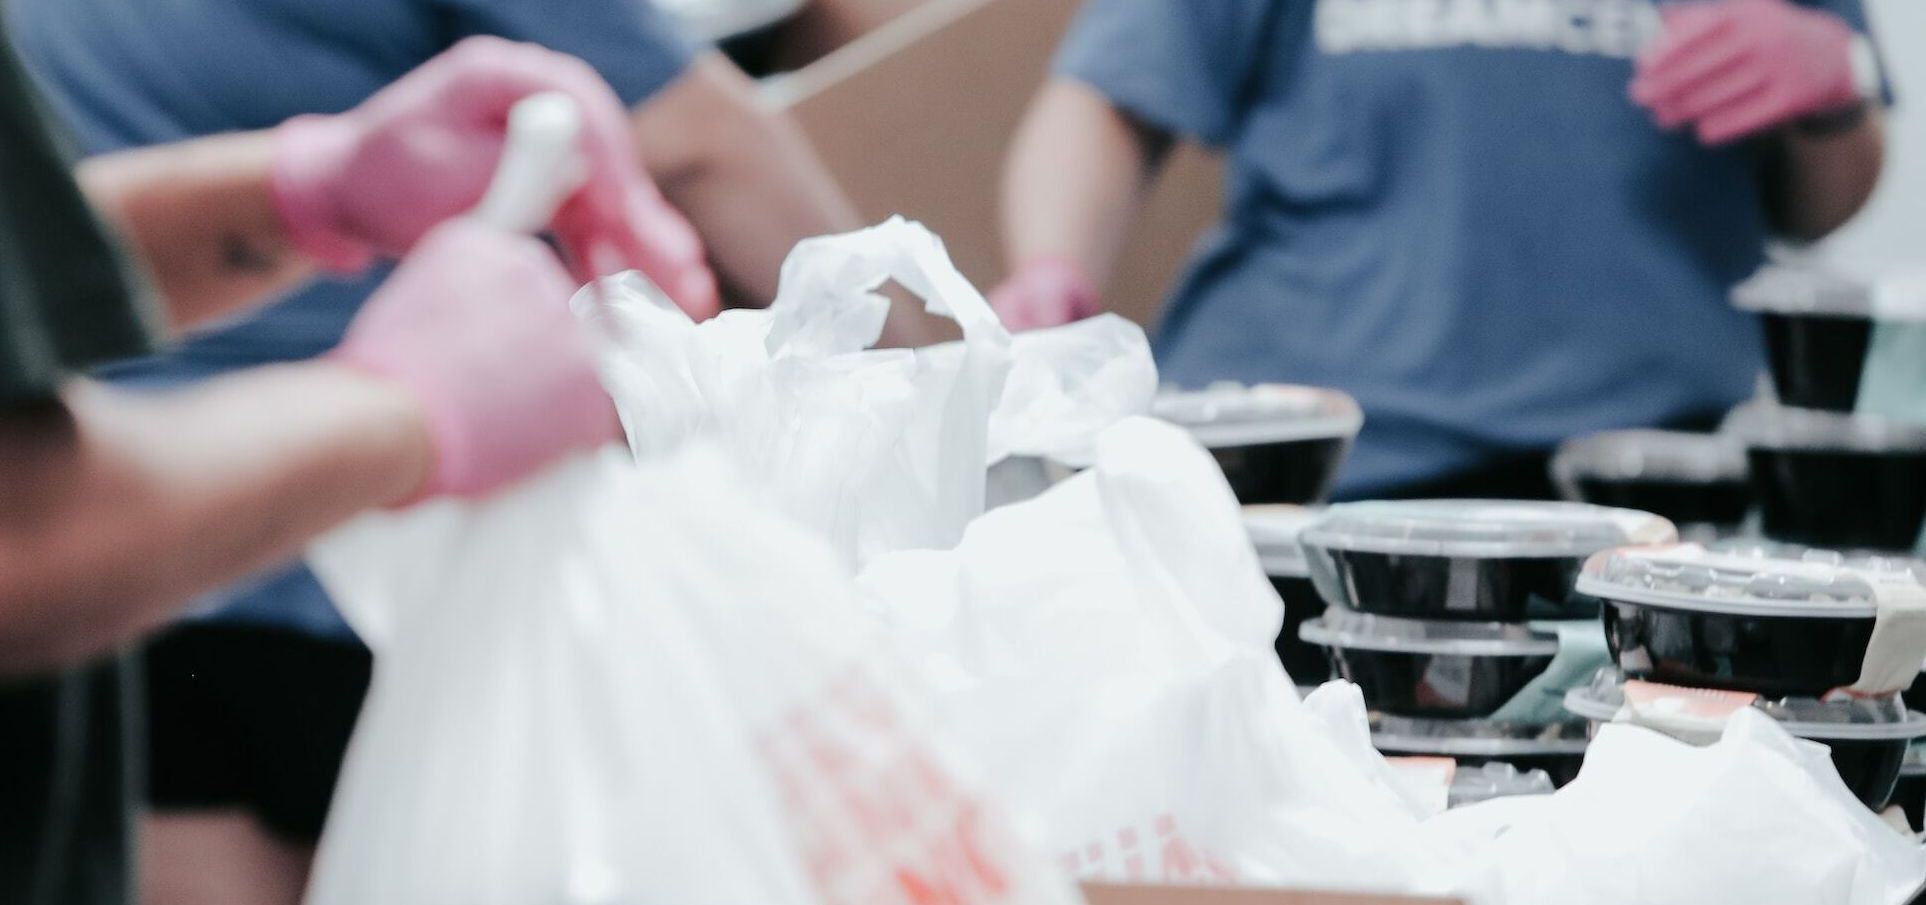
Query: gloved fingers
[[1688, 29], [1737, 88], [648, 235], [1664, 84], [505, 72], [1021, 310], [1759, 112]]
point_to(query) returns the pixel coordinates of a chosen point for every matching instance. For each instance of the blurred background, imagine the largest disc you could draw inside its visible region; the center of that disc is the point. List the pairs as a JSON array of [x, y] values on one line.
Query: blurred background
[[899, 100]]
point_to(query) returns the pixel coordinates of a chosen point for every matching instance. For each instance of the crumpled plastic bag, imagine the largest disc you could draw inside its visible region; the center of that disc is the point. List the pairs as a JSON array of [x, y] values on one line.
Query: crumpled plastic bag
[[1757, 818], [1067, 384], [615, 684], [877, 449], [1103, 652]]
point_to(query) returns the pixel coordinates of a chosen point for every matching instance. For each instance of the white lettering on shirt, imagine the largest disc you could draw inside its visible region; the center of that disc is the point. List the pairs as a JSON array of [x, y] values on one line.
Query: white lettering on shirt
[[1607, 28]]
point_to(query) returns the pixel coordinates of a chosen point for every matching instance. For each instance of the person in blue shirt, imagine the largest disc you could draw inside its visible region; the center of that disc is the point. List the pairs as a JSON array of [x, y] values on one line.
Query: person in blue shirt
[[1497, 224], [250, 704]]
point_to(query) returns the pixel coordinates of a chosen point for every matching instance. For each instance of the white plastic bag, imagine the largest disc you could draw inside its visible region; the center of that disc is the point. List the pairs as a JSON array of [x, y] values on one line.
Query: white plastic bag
[[620, 685], [1759, 818], [1067, 384], [877, 450], [1104, 653]]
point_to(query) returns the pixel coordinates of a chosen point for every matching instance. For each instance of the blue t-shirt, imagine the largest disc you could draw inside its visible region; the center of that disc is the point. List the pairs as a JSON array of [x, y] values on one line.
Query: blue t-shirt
[[1449, 208], [131, 74]]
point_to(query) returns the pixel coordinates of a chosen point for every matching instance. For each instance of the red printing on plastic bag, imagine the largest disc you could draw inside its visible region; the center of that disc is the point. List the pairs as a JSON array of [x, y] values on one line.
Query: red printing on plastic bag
[[877, 817]]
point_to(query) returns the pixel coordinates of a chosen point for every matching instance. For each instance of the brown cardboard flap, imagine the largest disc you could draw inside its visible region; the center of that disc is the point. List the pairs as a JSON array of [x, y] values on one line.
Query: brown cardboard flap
[[1132, 894], [915, 118]]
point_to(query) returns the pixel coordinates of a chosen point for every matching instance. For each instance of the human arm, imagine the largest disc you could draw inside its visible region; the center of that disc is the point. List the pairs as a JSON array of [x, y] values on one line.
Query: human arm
[[1077, 173], [1818, 179], [737, 170], [1797, 79], [747, 175], [464, 372], [202, 218], [225, 221], [119, 507]]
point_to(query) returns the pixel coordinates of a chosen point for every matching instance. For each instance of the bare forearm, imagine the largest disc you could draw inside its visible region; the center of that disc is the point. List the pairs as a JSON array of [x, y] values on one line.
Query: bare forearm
[[1821, 181], [1077, 173], [119, 507], [745, 176], [201, 216]]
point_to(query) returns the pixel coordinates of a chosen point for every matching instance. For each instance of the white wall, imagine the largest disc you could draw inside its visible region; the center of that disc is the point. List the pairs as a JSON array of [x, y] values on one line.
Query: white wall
[[1890, 234]]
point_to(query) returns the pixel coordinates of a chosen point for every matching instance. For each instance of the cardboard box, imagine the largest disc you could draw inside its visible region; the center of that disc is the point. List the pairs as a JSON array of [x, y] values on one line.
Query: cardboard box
[[915, 116], [1119, 894]]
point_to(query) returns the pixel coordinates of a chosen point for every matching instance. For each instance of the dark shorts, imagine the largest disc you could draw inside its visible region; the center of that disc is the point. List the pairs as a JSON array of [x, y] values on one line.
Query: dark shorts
[[251, 718], [67, 784]]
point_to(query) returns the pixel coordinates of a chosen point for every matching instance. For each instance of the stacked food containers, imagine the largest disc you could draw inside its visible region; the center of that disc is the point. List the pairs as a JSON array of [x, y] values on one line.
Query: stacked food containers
[[1821, 642], [1836, 480], [1457, 619], [1837, 461]]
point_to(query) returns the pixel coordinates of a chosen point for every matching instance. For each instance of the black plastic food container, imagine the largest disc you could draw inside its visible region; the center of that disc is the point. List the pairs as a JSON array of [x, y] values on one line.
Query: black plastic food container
[[1909, 792], [1558, 749], [1691, 479], [1274, 530], [1832, 480], [1777, 621], [1275, 443], [1472, 560], [1868, 737], [1818, 328], [1440, 670]]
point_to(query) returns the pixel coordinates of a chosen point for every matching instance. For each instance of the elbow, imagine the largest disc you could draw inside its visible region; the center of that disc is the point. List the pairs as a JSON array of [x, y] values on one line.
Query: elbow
[[1826, 181], [1814, 221], [49, 617], [705, 127], [26, 644]]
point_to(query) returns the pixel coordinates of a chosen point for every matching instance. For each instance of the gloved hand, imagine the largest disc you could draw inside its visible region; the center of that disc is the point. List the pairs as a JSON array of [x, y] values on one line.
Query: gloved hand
[[475, 325], [373, 180], [1736, 67], [1045, 292]]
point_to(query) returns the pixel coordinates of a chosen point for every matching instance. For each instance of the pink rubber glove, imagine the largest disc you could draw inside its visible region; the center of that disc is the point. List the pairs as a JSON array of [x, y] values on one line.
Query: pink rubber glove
[[373, 180], [1735, 67], [1045, 292], [475, 325]]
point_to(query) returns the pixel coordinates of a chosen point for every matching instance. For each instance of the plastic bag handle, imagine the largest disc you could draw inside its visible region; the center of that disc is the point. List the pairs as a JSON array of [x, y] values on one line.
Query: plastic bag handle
[[815, 314], [541, 164]]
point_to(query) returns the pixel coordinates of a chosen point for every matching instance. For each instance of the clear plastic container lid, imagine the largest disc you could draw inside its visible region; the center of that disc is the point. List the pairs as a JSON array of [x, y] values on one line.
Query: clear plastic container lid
[[1274, 529], [1651, 455], [1792, 289], [1476, 738], [1231, 414], [1496, 779], [1816, 291], [1748, 580], [1351, 630], [1877, 719], [1915, 762], [1485, 529], [1766, 425]]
